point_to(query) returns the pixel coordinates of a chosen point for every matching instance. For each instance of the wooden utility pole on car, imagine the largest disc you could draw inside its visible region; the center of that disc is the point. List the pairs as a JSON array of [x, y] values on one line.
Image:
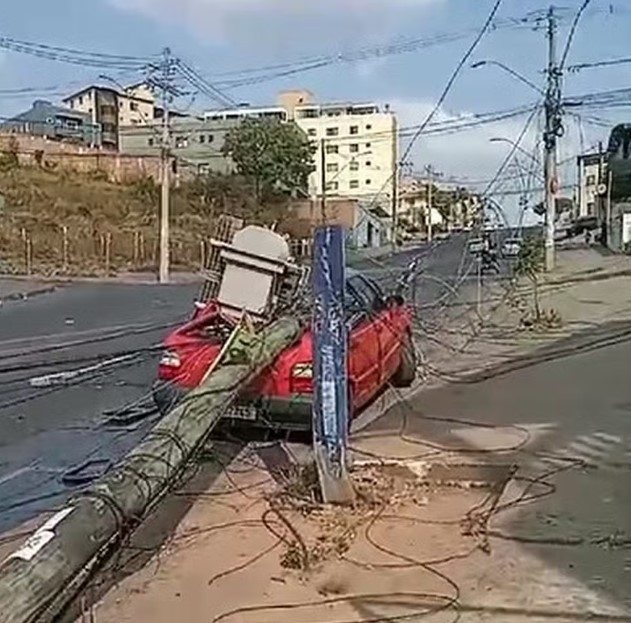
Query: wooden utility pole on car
[[44, 575]]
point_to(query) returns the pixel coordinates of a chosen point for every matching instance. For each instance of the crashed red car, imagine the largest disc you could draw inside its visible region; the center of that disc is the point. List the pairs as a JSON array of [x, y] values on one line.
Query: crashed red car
[[381, 351]]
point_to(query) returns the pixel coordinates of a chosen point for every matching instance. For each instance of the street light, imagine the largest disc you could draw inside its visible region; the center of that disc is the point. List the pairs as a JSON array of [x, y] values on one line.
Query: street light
[[502, 139], [512, 72]]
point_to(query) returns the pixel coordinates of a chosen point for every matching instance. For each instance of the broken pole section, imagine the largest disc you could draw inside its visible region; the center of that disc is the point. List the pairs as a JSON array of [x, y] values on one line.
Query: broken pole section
[[43, 576], [331, 410]]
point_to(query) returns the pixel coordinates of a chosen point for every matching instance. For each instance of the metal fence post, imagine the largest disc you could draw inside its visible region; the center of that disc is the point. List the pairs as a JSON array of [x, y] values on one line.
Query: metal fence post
[[330, 372]]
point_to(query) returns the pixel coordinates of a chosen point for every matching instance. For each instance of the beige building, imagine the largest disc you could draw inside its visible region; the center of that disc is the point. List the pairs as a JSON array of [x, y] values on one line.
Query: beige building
[[113, 109], [357, 144]]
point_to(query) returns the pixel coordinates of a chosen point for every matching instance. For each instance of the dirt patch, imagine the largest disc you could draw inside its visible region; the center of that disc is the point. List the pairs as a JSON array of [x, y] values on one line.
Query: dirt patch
[[251, 550]]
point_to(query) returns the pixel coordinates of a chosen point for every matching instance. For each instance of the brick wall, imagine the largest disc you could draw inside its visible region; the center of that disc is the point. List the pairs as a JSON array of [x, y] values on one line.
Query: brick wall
[[36, 150]]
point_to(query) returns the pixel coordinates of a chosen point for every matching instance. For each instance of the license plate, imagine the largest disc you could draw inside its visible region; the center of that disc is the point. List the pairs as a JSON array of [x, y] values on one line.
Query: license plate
[[242, 412]]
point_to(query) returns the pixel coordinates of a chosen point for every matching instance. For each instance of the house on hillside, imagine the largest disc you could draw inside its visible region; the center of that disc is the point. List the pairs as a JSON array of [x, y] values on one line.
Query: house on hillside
[[55, 123]]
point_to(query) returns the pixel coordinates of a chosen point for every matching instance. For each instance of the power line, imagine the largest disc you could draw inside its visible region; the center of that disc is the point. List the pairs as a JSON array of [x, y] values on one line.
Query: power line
[[570, 38]]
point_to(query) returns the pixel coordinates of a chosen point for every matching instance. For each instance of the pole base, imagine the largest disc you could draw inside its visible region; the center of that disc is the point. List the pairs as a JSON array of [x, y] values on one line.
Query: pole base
[[335, 483]]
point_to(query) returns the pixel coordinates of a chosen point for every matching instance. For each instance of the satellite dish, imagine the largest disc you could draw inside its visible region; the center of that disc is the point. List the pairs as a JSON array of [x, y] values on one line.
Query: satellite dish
[[601, 189]]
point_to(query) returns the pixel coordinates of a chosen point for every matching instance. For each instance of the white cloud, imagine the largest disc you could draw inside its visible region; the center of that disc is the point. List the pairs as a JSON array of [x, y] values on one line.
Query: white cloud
[[258, 23], [468, 153]]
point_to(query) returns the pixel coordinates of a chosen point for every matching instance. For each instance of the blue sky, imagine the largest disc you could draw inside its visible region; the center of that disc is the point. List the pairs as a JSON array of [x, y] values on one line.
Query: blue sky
[[223, 35]]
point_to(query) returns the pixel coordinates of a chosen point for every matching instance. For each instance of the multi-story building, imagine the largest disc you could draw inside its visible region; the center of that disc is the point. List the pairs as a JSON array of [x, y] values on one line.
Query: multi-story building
[[113, 108], [357, 145], [55, 123], [591, 174], [195, 143]]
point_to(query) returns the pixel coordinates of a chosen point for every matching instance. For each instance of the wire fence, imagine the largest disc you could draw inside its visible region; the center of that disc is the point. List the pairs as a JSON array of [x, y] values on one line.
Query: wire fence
[[76, 249]]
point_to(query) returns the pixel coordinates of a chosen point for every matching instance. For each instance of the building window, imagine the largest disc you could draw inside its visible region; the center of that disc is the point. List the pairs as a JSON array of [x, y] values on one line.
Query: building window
[[354, 165], [332, 149], [354, 148], [368, 182], [591, 180], [591, 208], [368, 163], [332, 131], [354, 184], [80, 100], [332, 185], [368, 126], [180, 142], [354, 129], [133, 106], [202, 138], [368, 145], [150, 142], [210, 138], [332, 167], [312, 132]]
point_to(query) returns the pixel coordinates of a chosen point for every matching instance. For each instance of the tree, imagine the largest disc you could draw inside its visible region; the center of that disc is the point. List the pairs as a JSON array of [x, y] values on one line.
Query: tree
[[277, 157], [530, 264]]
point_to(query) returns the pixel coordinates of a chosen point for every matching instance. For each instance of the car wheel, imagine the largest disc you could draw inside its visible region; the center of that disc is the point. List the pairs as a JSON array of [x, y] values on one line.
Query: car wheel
[[405, 375]]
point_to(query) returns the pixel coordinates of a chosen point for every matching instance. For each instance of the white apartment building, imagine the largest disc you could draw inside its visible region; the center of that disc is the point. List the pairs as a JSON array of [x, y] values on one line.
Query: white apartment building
[[112, 108], [357, 145]]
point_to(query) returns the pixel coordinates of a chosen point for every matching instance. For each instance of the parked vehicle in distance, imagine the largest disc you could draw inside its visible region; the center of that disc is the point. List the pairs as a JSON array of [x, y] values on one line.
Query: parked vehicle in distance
[[582, 225], [380, 351], [511, 247]]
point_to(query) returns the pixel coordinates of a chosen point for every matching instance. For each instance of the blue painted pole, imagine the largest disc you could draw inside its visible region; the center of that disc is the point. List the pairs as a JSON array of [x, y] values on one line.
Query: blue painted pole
[[331, 409]]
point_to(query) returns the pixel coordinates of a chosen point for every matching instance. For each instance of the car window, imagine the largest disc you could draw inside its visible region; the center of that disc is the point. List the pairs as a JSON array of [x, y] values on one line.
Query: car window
[[369, 293], [353, 302]]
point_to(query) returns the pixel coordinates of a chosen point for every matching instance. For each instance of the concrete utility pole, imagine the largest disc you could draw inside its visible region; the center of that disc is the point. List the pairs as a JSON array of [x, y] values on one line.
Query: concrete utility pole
[[331, 408], [552, 131], [323, 180], [429, 169], [165, 162], [38, 580]]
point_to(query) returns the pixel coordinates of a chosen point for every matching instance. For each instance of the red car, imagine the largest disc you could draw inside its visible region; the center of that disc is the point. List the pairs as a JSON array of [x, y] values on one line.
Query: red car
[[381, 351]]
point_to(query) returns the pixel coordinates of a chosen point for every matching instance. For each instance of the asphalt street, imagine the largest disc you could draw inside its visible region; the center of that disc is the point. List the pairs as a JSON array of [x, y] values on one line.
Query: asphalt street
[[573, 410], [47, 432]]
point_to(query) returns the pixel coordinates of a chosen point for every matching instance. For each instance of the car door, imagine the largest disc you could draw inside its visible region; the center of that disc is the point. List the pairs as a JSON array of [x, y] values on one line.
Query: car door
[[363, 365], [388, 329]]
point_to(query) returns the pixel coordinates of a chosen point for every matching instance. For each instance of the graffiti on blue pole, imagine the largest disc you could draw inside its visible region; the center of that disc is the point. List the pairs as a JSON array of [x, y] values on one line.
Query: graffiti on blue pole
[[330, 344]]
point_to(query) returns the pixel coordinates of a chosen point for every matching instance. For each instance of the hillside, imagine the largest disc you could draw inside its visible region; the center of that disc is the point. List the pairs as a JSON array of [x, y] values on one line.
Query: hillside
[[67, 223]]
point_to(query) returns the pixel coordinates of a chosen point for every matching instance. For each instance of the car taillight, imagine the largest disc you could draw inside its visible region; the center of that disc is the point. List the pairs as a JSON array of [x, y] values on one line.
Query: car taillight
[[170, 363], [301, 378]]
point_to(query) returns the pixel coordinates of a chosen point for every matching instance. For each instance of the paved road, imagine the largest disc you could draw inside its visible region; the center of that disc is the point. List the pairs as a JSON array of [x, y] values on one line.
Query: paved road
[[45, 431], [575, 409]]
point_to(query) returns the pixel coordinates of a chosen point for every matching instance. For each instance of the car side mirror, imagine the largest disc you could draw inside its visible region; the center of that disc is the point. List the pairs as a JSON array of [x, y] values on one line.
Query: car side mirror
[[394, 300]]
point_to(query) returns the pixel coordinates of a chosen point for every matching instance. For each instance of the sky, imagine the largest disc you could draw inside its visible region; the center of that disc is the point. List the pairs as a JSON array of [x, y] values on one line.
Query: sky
[[223, 37]]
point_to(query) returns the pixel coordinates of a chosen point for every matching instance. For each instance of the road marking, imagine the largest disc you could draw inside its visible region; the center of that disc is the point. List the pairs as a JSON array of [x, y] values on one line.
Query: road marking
[[64, 377], [15, 474]]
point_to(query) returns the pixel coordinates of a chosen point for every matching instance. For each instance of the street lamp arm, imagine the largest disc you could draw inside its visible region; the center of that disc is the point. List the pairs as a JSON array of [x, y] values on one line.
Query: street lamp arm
[[510, 71]]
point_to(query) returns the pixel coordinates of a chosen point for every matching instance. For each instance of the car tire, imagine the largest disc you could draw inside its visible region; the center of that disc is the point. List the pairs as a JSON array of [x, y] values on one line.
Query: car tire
[[406, 374]]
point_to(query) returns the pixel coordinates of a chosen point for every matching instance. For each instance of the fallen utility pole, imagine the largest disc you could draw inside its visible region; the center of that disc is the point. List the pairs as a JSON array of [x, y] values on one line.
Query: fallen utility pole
[[40, 579]]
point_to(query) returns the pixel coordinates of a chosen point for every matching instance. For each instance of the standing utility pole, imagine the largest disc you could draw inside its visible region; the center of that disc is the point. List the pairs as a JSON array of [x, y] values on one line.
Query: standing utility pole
[[323, 181], [552, 132], [429, 169], [165, 162]]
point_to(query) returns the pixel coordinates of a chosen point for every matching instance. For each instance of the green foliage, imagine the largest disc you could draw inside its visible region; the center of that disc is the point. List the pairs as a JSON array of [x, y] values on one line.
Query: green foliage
[[9, 156], [530, 264], [276, 156], [531, 258]]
